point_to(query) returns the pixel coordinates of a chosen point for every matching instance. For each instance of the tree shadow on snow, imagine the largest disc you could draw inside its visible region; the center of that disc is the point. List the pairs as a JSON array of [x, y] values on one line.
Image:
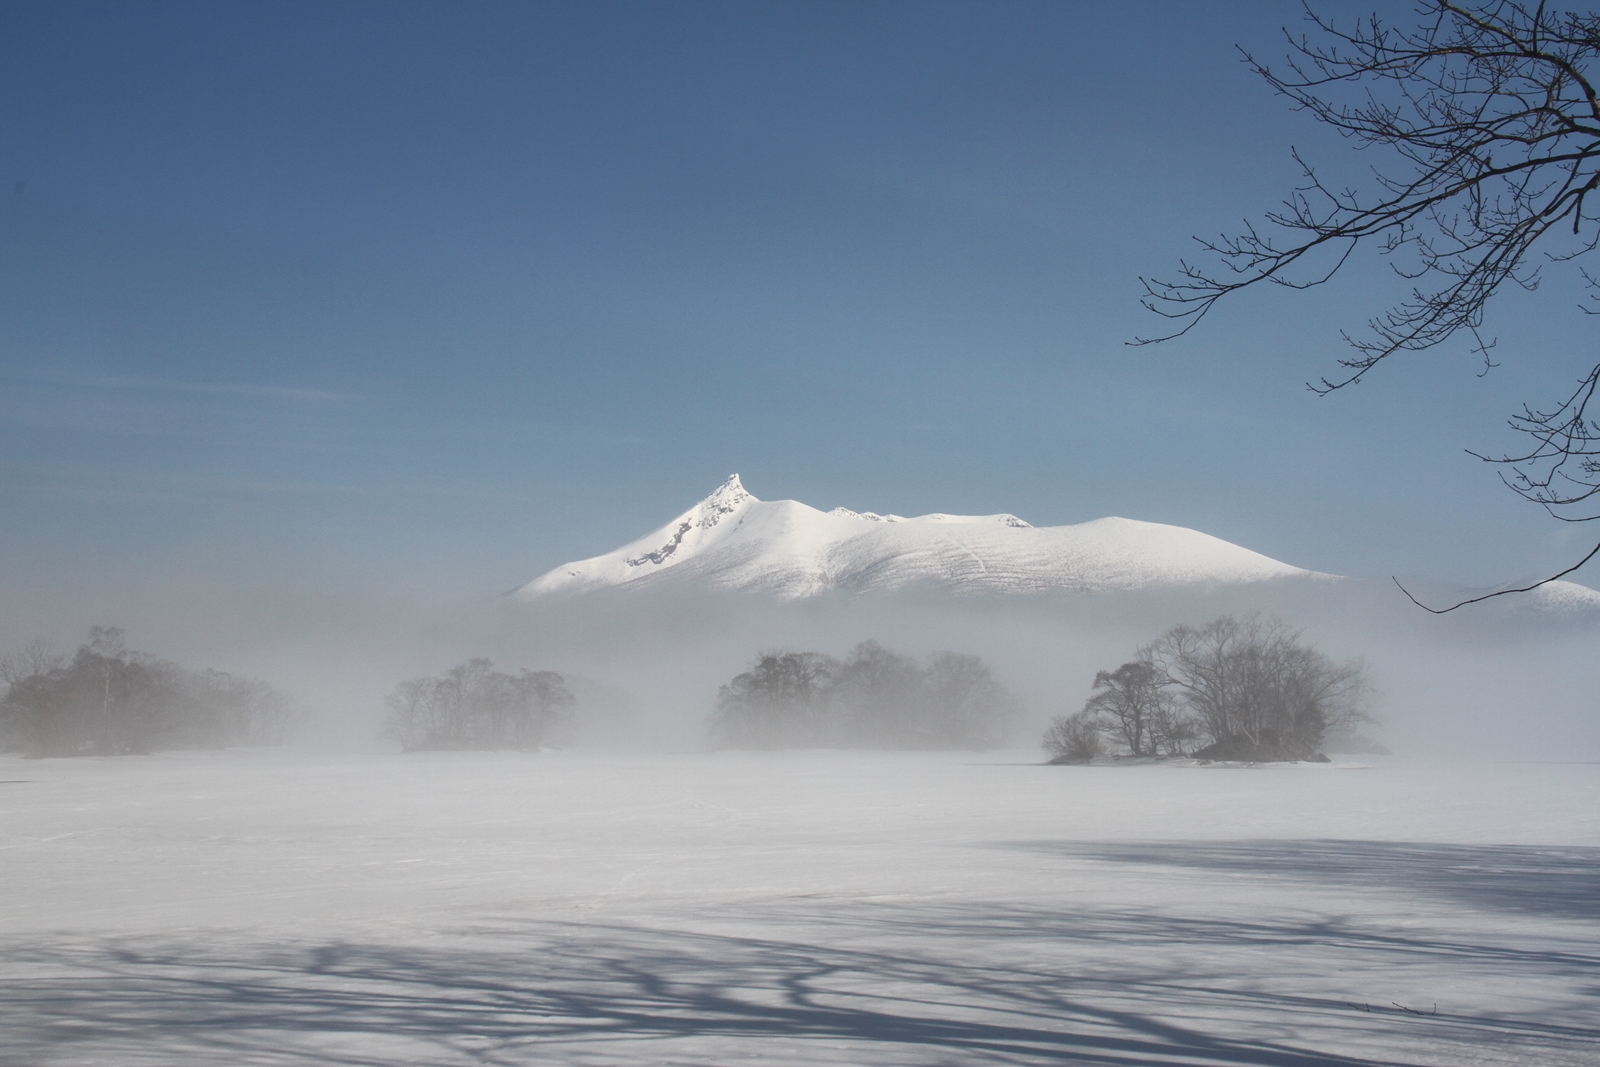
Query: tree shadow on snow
[[1549, 882], [918, 983]]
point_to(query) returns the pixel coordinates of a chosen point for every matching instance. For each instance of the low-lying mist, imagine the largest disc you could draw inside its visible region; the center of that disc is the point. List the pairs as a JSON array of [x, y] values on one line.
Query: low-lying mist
[[1503, 680]]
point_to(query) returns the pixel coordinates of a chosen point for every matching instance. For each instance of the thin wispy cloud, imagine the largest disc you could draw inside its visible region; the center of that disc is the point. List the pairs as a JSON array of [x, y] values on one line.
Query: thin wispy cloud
[[145, 384]]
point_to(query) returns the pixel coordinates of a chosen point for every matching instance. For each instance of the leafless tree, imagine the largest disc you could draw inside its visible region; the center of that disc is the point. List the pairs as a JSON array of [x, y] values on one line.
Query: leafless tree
[[784, 700], [1255, 689], [1173, 732], [966, 706], [472, 705], [108, 700], [874, 699], [879, 694], [35, 657], [1074, 738], [1491, 121], [1134, 700]]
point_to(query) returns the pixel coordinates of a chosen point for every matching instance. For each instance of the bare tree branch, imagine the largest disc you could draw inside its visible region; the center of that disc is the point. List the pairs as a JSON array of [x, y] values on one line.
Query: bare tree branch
[[1502, 592], [1490, 110]]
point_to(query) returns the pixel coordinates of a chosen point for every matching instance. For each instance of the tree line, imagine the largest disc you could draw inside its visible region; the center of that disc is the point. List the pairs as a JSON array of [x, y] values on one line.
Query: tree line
[[873, 698], [472, 705], [107, 700], [1236, 688]]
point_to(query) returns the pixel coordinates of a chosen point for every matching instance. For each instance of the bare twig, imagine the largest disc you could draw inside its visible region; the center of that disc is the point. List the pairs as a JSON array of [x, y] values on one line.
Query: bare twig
[[1503, 592]]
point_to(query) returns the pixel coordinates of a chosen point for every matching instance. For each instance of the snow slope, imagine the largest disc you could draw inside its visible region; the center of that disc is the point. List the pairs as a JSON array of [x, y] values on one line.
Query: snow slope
[[731, 540]]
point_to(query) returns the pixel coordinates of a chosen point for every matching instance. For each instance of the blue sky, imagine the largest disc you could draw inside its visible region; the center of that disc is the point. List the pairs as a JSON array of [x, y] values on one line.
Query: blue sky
[[427, 298]]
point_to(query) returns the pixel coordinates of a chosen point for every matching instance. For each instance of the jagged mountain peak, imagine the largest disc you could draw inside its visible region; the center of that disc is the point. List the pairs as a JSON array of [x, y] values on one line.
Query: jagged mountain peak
[[728, 496], [732, 540]]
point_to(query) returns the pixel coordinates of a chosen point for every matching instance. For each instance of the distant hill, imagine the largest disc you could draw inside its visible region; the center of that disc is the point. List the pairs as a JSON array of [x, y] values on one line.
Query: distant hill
[[733, 541]]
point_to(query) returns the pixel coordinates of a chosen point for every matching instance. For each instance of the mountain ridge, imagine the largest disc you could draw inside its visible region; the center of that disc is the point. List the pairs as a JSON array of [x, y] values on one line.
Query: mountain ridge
[[733, 540]]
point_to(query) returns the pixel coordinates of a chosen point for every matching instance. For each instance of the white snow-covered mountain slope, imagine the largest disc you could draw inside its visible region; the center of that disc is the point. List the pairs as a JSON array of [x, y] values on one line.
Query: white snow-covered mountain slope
[[1565, 596], [731, 540]]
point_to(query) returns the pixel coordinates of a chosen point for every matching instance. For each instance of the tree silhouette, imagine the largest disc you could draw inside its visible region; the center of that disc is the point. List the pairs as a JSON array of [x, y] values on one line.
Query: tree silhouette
[[1491, 120]]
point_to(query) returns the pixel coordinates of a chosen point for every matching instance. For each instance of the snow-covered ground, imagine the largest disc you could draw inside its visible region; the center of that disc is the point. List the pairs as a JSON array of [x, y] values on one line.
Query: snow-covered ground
[[850, 908]]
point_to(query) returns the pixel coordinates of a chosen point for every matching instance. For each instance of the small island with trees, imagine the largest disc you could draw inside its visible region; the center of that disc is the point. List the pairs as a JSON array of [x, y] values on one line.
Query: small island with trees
[[1235, 689], [107, 700], [474, 706], [873, 698]]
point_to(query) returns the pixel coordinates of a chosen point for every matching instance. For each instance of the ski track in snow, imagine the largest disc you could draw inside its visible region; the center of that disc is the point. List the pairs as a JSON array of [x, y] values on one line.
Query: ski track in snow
[[578, 908]]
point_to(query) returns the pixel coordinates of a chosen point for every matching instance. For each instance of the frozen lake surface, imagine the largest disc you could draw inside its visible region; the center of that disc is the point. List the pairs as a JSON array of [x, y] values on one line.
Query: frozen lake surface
[[811, 907]]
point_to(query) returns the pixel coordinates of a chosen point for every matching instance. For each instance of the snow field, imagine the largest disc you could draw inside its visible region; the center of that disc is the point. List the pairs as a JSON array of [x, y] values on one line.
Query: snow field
[[803, 907]]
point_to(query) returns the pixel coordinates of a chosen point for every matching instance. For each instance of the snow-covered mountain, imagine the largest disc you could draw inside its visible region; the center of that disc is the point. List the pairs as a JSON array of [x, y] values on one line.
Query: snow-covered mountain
[[731, 540]]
